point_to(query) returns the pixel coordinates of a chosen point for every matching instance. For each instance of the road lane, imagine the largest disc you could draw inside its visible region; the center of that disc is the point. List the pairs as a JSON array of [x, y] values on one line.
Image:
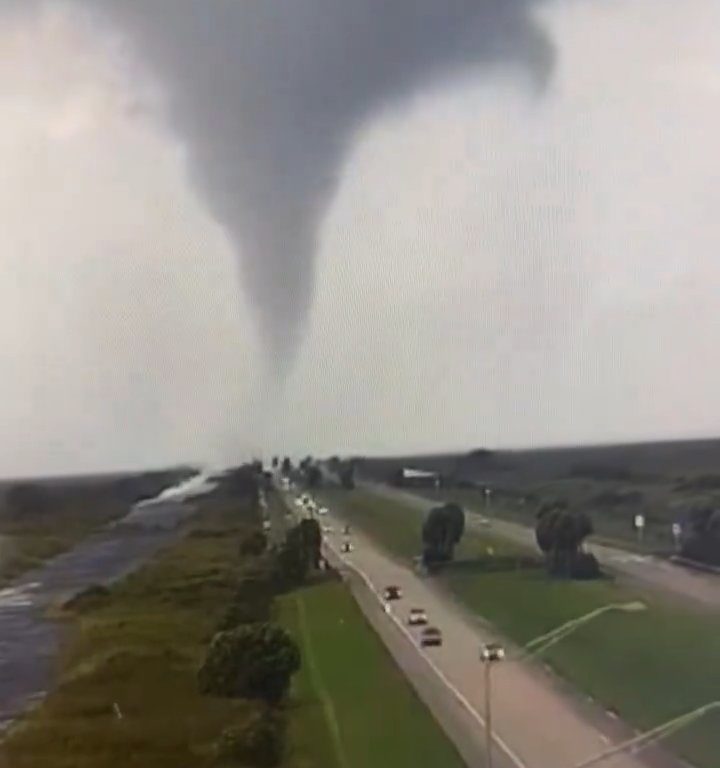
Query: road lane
[[645, 570], [541, 727]]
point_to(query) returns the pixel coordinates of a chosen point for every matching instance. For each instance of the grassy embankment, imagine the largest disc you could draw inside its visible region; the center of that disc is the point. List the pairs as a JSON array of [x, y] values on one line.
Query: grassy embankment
[[139, 648], [648, 666], [26, 544], [56, 515]]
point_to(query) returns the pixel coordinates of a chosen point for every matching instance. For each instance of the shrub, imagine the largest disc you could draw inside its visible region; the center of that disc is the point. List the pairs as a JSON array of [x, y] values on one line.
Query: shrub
[[254, 661], [258, 742]]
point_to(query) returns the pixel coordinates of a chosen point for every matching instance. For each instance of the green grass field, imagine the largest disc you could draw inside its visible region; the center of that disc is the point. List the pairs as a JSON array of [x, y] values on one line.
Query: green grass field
[[649, 666], [139, 650], [140, 647], [351, 698]]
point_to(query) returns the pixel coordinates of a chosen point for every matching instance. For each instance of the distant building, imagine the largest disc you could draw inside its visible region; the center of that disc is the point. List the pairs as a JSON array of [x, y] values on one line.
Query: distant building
[[417, 478]]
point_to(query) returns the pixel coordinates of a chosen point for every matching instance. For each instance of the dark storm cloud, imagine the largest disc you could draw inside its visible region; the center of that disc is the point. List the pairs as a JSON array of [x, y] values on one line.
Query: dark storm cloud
[[268, 95]]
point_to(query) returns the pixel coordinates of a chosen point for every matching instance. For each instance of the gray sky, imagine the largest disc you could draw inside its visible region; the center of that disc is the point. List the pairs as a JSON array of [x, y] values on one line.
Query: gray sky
[[511, 249]]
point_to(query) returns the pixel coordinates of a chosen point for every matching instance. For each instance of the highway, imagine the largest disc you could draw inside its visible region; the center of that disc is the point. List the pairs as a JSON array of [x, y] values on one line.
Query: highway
[[536, 725], [645, 570]]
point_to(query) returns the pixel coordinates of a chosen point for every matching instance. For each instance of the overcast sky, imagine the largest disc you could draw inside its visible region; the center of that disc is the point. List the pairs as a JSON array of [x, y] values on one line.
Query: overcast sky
[[499, 261]]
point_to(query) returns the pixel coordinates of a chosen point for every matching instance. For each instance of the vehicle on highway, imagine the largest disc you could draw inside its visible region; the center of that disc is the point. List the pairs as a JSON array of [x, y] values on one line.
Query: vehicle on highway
[[327, 529], [323, 511], [346, 547], [346, 530], [430, 637], [392, 592], [266, 525], [417, 617]]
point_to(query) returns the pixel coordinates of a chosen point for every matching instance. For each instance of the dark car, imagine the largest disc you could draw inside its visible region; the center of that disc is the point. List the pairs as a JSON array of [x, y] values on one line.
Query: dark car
[[392, 593], [431, 636]]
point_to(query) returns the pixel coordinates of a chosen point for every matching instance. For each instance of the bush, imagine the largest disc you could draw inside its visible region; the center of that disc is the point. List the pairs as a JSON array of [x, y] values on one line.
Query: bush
[[258, 742], [255, 661]]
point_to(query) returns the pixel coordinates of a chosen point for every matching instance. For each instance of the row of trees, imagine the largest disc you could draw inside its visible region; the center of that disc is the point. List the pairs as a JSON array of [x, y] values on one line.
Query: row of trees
[[250, 657], [560, 534]]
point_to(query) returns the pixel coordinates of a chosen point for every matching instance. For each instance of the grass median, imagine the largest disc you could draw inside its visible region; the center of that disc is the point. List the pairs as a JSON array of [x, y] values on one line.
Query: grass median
[[647, 666], [351, 698]]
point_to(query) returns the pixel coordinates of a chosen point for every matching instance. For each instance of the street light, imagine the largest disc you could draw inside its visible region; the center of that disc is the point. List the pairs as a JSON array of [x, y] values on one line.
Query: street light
[[494, 652], [489, 654]]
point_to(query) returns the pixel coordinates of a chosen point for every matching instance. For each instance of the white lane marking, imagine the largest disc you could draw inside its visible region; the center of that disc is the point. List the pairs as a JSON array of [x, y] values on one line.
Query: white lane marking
[[458, 695]]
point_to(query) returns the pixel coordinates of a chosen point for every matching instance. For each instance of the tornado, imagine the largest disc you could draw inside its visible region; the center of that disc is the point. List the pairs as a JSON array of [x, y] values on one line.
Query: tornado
[[268, 95]]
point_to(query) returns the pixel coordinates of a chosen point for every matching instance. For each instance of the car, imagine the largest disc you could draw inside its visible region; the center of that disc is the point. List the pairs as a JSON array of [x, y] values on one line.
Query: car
[[266, 525], [392, 592], [346, 547], [346, 530], [431, 636], [327, 529], [417, 617]]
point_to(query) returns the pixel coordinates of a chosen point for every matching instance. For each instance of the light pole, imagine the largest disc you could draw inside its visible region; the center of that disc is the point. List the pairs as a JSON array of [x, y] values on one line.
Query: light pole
[[489, 654], [494, 652]]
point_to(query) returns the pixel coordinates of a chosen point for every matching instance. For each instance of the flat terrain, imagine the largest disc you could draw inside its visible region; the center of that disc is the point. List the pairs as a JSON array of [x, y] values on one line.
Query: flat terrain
[[352, 700], [614, 483], [139, 648], [127, 691], [55, 514], [648, 666]]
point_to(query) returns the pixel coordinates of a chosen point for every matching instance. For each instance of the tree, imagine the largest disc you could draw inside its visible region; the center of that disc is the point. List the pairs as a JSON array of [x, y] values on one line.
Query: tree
[[259, 741], [347, 475], [292, 562], [286, 467], [256, 661], [313, 476], [559, 534], [275, 462], [312, 540], [243, 482], [701, 535], [441, 532]]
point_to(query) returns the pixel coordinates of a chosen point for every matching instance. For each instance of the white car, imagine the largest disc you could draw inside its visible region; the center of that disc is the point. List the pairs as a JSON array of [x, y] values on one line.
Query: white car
[[417, 617], [327, 529], [323, 511]]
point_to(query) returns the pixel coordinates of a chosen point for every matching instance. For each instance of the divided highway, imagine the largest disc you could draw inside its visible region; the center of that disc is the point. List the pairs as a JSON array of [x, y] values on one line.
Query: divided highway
[[536, 725], [649, 571]]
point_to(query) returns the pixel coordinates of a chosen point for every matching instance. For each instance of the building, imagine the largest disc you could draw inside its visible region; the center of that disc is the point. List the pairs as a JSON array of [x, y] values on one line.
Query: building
[[417, 478]]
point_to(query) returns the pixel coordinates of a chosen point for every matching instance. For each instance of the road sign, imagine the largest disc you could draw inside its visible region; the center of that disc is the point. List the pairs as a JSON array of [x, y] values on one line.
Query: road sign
[[639, 521], [676, 530]]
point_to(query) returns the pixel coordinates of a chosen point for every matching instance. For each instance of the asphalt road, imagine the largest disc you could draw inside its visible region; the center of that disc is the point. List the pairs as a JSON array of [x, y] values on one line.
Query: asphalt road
[[645, 570], [535, 724]]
